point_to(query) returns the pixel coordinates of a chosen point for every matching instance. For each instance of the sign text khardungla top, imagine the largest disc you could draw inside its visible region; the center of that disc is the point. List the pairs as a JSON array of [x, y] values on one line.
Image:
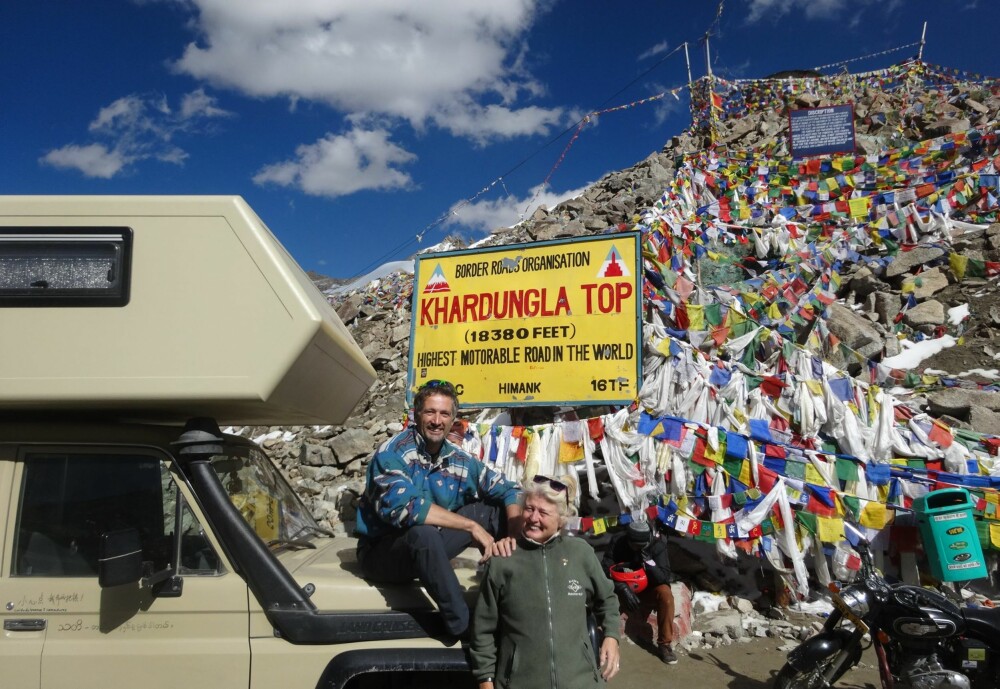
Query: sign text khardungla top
[[531, 324]]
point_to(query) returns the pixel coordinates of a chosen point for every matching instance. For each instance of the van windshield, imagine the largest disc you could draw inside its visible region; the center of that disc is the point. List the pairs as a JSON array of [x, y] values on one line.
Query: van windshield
[[263, 496]]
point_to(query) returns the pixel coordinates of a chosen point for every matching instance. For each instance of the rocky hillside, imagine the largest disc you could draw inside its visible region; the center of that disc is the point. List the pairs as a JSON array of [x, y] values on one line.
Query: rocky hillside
[[911, 273]]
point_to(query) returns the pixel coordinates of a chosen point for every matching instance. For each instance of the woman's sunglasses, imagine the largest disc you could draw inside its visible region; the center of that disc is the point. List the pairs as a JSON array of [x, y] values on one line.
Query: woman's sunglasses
[[555, 485]]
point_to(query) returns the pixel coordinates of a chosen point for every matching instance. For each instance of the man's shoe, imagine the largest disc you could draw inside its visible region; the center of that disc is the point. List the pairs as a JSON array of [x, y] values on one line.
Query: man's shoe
[[667, 655]]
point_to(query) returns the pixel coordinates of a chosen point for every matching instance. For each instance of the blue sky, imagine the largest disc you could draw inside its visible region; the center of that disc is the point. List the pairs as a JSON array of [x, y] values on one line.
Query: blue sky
[[355, 127]]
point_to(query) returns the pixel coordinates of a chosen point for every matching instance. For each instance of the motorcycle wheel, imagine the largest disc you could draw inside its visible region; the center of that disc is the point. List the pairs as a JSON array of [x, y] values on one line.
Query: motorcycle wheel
[[791, 677]]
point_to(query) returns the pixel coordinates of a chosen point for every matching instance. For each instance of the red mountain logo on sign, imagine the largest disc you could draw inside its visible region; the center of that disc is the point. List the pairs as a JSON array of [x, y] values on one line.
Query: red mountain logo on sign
[[613, 266], [438, 282]]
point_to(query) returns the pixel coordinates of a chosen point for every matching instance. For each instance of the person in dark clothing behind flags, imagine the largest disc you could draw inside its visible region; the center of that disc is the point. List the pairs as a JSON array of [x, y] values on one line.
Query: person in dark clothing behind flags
[[637, 561]]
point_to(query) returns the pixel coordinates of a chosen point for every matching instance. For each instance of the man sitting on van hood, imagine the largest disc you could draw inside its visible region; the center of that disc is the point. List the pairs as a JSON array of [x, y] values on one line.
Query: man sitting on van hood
[[426, 501]]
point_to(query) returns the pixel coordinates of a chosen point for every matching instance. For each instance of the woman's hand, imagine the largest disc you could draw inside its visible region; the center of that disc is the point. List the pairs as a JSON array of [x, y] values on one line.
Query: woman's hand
[[610, 659]]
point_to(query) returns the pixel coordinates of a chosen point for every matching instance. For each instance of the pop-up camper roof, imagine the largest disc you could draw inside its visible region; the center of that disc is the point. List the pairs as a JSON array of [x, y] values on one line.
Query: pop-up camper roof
[[163, 308]]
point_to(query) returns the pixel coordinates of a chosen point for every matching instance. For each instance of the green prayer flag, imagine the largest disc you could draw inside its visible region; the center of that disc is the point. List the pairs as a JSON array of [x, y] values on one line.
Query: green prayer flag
[[847, 470], [853, 505], [807, 520]]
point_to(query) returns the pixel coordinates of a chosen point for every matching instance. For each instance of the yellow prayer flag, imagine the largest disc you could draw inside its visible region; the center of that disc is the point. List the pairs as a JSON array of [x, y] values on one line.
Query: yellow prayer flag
[[745, 473], [600, 526], [813, 476], [995, 535], [773, 311], [570, 452], [663, 347], [815, 387], [859, 207], [830, 529], [717, 456], [696, 316], [719, 531], [958, 265], [874, 515]]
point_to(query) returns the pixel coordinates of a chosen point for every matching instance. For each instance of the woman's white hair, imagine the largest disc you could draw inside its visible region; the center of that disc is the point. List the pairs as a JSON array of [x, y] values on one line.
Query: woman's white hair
[[541, 486]]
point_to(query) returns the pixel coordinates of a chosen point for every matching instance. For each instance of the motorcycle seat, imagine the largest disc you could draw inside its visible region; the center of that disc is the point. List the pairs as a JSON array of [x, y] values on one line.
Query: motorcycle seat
[[983, 622]]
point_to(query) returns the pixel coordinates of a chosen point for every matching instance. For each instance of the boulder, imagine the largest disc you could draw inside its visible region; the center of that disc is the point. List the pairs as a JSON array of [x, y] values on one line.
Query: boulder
[[926, 284], [958, 402], [351, 444], [853, 330], [930, 312], [864, 282], [982, 417], [905, 261], [316, 455], [886, 306], [720, 622]]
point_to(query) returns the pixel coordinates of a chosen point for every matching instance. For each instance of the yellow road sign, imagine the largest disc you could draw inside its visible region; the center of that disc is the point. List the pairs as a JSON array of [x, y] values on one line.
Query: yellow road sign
[[548, 323]]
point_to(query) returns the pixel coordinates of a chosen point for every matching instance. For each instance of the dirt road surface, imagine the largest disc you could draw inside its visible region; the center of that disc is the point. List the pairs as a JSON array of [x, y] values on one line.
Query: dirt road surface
[[751, 665]]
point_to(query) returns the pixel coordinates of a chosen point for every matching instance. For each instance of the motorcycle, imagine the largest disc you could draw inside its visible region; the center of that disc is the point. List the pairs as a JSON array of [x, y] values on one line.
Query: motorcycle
[[921, 639]]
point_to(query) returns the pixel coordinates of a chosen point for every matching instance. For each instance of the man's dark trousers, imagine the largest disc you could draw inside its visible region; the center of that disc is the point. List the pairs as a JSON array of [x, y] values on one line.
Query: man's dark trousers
[[424, 552]]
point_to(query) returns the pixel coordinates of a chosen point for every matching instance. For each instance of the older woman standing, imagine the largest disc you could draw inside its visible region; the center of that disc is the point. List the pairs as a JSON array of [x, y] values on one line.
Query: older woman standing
[[529, 628]]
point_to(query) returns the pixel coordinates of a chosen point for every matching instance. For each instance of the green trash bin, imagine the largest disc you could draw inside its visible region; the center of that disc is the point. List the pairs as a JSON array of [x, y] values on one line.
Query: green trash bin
[[950, 537]]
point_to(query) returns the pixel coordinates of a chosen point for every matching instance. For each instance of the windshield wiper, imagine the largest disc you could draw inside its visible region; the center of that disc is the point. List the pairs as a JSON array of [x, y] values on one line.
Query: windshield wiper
[[309, 528], [294, 543]]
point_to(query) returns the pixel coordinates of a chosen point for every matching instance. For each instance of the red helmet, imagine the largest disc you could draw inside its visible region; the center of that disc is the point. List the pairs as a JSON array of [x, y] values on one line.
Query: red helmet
[[635, 580]]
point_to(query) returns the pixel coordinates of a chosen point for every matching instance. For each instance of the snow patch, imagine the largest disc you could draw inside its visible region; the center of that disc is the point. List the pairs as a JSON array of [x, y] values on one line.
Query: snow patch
[[377, 274], [915, 352], [957, 314]]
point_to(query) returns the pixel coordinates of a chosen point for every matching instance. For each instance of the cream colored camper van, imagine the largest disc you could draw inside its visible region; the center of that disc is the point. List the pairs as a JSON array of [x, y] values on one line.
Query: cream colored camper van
[[141, 545]]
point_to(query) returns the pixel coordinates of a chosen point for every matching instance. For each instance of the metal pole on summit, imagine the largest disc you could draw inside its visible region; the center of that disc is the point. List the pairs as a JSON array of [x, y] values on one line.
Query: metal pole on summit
[[687, 59], [923, 35], [711, 92]]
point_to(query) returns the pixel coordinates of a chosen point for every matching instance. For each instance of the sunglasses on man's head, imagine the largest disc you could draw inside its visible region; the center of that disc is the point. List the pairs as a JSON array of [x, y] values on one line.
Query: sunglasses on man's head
[[433, 384], [555, 485]]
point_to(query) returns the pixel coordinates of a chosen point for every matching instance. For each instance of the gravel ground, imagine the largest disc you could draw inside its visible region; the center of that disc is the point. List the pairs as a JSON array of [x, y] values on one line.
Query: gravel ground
[[750, 665]]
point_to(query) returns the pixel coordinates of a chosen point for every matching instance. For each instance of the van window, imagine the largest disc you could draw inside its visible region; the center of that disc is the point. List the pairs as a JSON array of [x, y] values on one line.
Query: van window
[[69, 499], [65, 266]]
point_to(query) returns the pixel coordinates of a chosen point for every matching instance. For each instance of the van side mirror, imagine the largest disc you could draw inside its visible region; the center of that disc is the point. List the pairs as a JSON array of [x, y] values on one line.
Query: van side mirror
[[119, 559]]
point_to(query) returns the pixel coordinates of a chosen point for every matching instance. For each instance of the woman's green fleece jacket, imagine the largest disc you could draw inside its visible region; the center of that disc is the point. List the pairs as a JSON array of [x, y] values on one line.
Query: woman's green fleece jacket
[[529, 629]]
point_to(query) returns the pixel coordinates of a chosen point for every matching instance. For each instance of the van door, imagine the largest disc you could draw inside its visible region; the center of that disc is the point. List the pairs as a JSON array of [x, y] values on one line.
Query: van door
[[191, 632], [23, 632]]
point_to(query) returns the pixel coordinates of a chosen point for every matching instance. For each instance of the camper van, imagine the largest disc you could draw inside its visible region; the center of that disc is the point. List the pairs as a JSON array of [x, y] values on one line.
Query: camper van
[[141, 545]]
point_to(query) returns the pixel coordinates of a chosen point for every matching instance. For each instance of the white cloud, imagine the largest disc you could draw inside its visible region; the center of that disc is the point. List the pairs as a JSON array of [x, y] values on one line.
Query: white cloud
[[132, 129], [199, 104], [668, 105], [337, 165], [454, 63], [814, 9], [657, 49], [485, 123], [485, 216], [93, 160]]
